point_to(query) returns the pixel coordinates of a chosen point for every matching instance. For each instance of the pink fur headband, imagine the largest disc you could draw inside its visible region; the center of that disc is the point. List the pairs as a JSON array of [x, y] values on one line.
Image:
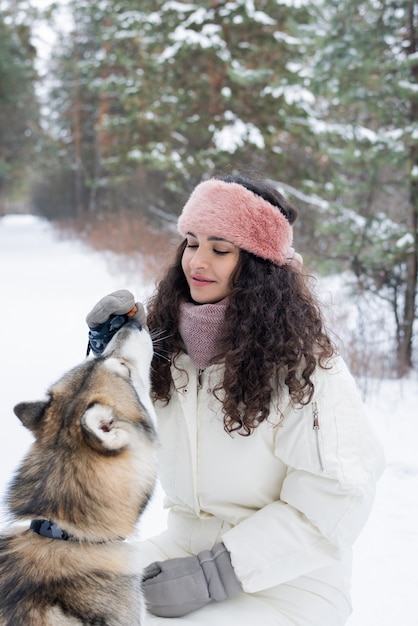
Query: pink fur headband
[[231, 211]]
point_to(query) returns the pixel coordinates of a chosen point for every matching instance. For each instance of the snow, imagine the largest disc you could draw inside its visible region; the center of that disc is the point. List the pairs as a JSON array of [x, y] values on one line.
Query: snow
[[49, 284], [235, 133], [291, 93]]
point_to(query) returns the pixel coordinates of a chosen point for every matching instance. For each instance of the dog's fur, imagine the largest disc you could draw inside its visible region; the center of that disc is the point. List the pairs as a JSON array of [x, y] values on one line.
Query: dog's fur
[[91, 470]]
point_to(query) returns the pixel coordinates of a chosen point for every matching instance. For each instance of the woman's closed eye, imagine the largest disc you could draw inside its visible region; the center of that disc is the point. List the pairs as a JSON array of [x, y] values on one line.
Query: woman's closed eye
[[195, 246]]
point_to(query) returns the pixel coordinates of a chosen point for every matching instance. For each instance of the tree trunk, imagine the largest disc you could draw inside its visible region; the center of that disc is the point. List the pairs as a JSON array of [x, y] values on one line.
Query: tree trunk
[[77, 132], [405, 345]]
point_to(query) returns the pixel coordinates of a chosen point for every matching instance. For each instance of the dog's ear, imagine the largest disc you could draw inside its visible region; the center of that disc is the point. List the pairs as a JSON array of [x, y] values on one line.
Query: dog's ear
[[102, 431], [30, 414]]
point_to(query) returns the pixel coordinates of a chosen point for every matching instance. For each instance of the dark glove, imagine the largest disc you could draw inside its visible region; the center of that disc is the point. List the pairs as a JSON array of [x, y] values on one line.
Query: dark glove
[[108, 315], [178, 586]]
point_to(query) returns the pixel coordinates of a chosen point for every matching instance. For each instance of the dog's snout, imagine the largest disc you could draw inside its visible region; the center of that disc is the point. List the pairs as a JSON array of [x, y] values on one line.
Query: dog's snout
[[131, 342], [130, 326]]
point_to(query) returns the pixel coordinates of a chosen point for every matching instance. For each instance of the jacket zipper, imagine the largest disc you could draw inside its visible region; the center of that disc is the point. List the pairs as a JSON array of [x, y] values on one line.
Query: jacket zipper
[[315, 415]]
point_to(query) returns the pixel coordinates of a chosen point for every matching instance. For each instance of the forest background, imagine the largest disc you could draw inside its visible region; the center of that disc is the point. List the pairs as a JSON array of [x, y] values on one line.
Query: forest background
[[136, 102]]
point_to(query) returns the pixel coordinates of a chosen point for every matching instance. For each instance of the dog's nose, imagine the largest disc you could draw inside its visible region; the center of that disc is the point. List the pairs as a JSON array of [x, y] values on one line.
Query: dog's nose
[[134, 322]]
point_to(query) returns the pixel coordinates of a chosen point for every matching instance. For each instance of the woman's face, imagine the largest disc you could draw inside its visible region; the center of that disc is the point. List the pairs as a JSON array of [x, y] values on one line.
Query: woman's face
[[208, 263]]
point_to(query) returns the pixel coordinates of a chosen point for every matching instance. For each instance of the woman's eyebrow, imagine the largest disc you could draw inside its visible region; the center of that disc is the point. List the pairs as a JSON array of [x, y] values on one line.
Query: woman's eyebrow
[[213, 238], [220, 239]]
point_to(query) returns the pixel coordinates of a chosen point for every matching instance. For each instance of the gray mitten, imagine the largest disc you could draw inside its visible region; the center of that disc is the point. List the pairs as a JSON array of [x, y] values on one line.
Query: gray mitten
[[109, 314], [176, 587]]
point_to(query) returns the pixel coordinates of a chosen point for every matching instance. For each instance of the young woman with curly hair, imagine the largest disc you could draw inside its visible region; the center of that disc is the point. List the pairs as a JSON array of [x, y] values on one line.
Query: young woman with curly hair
[[267, 460], [272, 328]]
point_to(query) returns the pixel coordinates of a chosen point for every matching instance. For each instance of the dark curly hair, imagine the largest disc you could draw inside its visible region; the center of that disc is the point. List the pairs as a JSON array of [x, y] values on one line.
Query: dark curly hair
[[281, 338]]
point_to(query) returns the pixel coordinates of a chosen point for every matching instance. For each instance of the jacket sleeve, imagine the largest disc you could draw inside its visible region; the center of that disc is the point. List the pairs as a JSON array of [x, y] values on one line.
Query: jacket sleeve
[[326, 496]]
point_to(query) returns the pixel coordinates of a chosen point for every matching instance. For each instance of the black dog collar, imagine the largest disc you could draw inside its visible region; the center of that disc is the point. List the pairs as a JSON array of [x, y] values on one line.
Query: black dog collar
[[48, 529]]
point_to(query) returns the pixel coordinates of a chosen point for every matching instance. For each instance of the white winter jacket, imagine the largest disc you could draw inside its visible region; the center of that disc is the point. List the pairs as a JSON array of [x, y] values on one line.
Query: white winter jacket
[[288, 501]]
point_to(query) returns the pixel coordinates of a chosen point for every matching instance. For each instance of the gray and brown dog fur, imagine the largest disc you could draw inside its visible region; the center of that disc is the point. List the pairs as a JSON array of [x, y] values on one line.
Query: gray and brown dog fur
[[91, 470]]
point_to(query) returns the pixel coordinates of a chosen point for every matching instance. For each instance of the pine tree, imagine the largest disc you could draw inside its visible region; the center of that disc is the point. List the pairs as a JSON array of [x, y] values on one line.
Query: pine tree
[[178, 91], [19, 110], [366, 82]]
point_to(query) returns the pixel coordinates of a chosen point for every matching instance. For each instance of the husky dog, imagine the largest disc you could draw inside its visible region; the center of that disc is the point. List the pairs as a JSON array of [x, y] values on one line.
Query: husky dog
[[82, 486]]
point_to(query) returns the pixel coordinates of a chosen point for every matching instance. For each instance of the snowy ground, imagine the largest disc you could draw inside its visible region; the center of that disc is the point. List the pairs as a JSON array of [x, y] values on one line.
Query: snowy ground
[[47, 286]]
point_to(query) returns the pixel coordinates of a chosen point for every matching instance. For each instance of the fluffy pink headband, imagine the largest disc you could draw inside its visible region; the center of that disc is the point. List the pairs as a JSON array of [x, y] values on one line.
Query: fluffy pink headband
[[231, 211]]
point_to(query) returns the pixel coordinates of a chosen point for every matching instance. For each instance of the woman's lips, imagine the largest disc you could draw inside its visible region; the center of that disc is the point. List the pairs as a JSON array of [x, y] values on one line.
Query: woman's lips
[[201, 281]]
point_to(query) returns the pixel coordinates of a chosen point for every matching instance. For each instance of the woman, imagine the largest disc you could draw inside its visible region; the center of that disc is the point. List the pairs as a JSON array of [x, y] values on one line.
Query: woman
[[267, 461]]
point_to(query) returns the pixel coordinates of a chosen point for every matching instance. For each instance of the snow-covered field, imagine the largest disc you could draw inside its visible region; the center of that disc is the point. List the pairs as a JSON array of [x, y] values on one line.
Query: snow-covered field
[[48, 285]]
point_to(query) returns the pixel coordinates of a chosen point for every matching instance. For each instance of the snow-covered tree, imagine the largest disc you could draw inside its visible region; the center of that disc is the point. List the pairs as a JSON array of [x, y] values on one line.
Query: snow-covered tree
[[179, 90], [19, 110], [365, 77]]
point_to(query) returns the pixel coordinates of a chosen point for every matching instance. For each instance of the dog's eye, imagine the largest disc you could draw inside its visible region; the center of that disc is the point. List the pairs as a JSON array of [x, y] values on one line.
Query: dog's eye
[[118, 366], [126, 369]]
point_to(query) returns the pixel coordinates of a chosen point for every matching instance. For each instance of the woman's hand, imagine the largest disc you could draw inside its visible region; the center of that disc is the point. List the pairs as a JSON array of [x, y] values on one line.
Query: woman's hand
[[108, 315], [178, 586]]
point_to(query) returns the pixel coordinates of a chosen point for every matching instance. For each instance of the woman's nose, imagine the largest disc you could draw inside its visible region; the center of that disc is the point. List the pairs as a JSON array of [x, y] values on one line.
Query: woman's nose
[[198, 259]]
